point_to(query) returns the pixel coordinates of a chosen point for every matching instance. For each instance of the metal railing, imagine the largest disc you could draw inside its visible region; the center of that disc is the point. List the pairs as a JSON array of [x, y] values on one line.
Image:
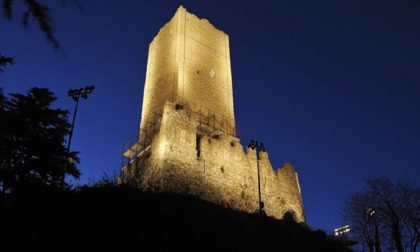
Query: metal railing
[[209, 122]]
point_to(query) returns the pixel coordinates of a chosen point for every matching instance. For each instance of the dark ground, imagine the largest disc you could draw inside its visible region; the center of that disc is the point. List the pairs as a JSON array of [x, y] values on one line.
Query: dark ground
[[124, 218]]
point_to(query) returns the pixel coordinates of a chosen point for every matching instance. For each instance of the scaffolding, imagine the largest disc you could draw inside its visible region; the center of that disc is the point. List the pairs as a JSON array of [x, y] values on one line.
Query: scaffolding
[[208, 122], [139, 144]]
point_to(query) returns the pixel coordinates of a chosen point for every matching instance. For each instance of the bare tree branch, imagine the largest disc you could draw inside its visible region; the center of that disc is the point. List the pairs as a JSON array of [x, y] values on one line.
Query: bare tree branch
[[394, 218]]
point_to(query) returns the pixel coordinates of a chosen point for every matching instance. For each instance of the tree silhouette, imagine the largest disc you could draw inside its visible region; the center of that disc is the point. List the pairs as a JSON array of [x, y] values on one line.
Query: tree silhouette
[[40, 13], [365, 227], [32, 135], [4, 61], [385, 213]]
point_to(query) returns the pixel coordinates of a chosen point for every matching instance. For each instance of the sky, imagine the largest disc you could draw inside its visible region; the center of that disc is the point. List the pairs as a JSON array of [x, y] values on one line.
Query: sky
[[331, 86]]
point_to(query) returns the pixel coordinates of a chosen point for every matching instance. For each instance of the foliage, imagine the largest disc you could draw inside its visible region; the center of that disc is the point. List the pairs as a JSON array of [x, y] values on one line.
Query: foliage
[[4, 61], [39, 12], [32, 136], [385, 215]]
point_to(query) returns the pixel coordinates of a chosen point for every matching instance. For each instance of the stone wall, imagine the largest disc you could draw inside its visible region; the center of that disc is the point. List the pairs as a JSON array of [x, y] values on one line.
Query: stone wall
[[221, 173], [161, 79]]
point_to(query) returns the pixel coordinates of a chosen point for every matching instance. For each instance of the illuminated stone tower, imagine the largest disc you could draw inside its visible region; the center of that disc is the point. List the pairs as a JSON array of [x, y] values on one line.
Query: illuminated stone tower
[[189, 59], [187, 142]]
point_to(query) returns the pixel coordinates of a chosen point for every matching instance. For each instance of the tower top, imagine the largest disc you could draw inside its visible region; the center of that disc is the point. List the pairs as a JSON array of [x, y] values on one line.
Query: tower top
[[183, 9]]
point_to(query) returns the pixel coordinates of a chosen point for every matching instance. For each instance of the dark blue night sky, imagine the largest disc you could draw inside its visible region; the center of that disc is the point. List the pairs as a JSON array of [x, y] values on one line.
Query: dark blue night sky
[[330, 86]]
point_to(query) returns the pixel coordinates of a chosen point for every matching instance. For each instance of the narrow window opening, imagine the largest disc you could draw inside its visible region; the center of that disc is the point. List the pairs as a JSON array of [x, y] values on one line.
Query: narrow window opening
[[198, 145]]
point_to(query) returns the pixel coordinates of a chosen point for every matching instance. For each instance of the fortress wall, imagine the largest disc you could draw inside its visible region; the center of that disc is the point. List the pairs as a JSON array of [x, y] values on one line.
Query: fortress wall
[[223, 173], [288, 185]]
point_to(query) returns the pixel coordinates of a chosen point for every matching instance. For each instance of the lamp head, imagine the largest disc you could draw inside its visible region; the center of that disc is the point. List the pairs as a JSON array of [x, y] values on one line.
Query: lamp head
[[89, 89], [70, 92], [83, 92]]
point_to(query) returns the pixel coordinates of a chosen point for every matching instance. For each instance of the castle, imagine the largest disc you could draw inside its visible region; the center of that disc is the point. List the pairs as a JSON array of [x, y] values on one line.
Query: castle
[[187, 141]]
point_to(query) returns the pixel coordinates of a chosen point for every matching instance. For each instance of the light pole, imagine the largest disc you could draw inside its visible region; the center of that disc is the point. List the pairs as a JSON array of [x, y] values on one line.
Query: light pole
[[75, 94], [258, 146]]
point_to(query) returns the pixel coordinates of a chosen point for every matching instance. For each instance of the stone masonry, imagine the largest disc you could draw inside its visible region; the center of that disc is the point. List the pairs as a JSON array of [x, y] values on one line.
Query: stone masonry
[[187, 143]]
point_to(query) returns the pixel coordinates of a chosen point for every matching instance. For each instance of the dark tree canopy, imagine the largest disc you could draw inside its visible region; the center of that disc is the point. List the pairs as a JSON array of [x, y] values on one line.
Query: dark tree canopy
[[32, 135]]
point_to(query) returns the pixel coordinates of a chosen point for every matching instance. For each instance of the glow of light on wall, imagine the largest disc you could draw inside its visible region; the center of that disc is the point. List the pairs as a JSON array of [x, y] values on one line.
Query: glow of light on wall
[[163, 146]]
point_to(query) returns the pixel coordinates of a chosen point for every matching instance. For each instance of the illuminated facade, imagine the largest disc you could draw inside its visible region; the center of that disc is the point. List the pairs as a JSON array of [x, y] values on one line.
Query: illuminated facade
[[187, 141]]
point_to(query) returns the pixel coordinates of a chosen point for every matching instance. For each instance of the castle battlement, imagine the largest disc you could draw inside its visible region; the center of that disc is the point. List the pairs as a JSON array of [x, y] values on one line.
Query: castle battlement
[[188, 142]]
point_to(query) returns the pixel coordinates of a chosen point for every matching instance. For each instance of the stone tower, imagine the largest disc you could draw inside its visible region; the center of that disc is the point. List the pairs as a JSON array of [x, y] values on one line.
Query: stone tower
[[187, 141], [189, 59]]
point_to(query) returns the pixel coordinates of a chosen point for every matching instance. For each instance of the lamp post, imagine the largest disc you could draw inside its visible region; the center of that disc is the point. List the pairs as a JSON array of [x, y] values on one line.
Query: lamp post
[[75, 94], [258, 146]]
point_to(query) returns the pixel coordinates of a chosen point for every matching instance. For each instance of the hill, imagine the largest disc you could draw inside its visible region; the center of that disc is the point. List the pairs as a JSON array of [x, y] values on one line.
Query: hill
[[102, 216]]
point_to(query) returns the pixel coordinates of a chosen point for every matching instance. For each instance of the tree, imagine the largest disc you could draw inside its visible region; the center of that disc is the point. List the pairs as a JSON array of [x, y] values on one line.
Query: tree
[[32, 135], [385, 213], [412, 222], [365, 228]]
